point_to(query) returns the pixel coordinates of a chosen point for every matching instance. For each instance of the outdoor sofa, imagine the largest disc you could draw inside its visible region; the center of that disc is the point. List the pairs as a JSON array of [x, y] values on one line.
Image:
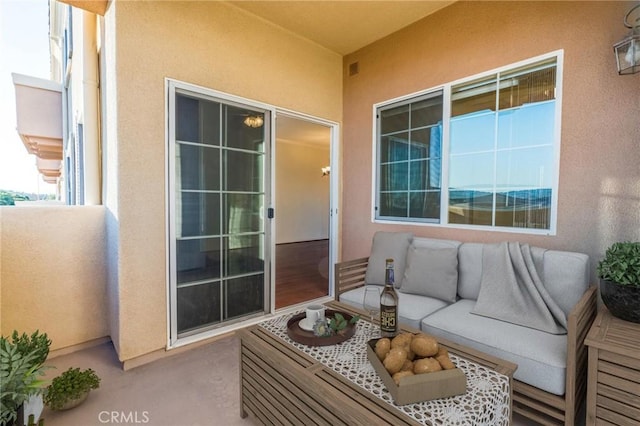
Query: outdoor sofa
[[440, 284]]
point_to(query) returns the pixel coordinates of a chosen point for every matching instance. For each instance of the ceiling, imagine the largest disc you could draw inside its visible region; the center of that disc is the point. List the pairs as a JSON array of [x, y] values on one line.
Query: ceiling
[[342, 26]]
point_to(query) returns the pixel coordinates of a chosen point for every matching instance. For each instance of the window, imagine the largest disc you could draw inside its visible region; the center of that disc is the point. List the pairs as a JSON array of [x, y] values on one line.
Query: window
[[409, 153], [482, 152]]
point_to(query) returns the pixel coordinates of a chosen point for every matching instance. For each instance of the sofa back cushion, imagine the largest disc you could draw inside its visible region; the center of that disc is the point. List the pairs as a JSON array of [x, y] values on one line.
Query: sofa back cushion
[[564, 274], [432, 272], [387, 245], [469, 270], [434, 243]]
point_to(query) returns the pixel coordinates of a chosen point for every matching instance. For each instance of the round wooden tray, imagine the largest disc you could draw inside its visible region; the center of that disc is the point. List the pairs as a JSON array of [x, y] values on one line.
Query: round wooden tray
[[308, 338]]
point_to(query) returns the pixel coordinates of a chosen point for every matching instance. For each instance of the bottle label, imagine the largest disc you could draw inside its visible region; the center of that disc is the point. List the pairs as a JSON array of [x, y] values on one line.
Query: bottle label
[[388, 318]]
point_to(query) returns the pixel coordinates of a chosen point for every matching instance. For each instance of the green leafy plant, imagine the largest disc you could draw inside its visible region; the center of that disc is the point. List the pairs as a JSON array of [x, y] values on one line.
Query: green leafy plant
[[334, 325], [37, 344], [21, 365], [71, 385], [621, 264], [339, 323]]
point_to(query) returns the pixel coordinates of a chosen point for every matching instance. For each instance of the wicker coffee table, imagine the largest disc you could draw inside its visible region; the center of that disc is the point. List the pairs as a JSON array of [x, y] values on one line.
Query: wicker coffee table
[[285, 382]]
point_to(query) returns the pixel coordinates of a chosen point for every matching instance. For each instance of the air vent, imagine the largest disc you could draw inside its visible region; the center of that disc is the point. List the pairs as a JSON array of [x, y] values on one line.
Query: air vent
[[354, 68]]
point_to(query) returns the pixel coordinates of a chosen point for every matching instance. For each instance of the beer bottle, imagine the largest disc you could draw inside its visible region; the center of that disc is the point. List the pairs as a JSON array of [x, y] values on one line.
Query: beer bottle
[[389, 304]]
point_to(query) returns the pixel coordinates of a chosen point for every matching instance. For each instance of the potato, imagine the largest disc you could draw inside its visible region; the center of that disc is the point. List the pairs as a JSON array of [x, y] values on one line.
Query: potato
[[426, 365], [424, 346], [402, 340], [401, 351], [382, 348], [408, 365], [395, 360], [445, 362], [400, 374], [442, 351], [410, 354]]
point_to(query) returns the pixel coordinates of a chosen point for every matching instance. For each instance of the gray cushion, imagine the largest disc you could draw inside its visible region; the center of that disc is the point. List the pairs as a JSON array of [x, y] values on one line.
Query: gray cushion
[[541, 357], [469, 270], [387, 245], [512, 290], [564, 274], [566, 277], [412, 308], [434, 243], [431, 272]]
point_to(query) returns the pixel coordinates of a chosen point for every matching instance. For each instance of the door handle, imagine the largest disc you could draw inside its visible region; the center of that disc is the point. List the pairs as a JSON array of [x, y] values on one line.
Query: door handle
[[270, 213]]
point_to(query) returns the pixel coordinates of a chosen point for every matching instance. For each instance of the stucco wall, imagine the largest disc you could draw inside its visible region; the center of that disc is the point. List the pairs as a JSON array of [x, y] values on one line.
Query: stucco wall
[[302, 193], [109, 108], [599, 189], [52, 272], [214, 45]]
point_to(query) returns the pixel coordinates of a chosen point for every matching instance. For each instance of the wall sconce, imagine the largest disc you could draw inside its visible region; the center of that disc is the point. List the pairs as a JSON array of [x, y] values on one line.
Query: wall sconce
[[254, 121], [326, 170], [628, 50]]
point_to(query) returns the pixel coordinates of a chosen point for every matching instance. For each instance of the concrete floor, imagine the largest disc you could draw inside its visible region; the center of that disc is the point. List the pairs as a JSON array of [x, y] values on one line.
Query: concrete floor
[[195, 388]]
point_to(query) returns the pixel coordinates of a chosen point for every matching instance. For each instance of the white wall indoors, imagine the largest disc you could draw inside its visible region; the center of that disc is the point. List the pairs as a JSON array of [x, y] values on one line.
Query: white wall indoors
[[302, 193]]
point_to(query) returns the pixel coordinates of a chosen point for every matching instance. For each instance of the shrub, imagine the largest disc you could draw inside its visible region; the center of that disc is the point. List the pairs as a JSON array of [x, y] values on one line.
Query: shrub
[[69, 386], [21, 365], [621, 264]]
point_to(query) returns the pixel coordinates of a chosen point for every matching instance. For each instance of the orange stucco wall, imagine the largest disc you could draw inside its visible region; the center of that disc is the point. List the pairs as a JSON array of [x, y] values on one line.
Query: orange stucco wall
[[210, 44], [599, 186], [52, 272]]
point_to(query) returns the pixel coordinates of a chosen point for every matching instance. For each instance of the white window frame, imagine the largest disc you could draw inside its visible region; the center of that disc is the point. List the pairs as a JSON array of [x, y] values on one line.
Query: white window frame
[[446, 88]]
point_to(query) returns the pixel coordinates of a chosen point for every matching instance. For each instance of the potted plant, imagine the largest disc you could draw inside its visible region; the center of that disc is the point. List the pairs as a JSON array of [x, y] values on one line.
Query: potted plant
[[70, 389], [619, 274], [22, 360]]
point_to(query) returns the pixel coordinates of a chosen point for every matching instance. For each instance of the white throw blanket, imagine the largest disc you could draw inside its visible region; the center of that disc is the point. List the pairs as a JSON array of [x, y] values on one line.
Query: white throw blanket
[[511, 290]]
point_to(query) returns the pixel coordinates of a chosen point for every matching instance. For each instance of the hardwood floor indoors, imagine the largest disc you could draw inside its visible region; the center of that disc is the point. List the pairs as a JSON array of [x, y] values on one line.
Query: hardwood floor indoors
[[302, 271]]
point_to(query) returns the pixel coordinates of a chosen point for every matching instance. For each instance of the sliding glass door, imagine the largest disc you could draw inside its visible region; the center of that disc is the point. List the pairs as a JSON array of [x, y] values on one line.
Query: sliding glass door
[[217, 168]]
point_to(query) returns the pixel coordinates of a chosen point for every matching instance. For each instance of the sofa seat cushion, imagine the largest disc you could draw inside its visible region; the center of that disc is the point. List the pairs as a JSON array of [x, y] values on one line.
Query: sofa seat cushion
[[541, 357], [413, 308]]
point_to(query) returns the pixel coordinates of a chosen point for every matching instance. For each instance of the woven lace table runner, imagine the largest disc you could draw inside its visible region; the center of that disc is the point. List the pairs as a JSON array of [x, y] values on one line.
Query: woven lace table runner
[[486, 401]]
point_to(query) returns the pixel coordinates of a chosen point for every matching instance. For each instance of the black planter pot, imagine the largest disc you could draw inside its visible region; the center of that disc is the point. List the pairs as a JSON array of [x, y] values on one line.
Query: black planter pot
[[623, 301], [19, 421]]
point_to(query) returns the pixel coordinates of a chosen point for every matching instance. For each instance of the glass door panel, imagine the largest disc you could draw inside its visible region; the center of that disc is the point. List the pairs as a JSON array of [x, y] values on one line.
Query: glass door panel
[[198, 305], [218, 224]]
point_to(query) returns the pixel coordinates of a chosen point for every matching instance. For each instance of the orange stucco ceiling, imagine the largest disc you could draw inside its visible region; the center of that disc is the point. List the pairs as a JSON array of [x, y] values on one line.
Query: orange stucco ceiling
[[342, 26]]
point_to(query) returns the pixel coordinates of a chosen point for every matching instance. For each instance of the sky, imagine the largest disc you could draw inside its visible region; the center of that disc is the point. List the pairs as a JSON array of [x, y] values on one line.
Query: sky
[[24, 49]]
